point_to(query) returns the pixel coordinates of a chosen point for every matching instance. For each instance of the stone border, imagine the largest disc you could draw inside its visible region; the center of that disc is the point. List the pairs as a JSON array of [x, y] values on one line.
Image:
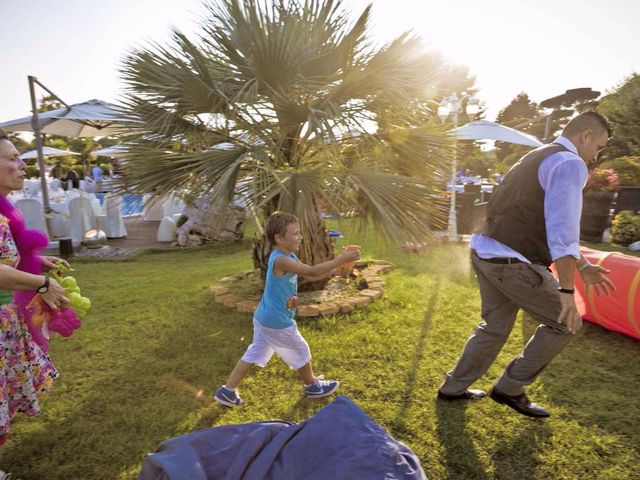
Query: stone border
[[367, 271]]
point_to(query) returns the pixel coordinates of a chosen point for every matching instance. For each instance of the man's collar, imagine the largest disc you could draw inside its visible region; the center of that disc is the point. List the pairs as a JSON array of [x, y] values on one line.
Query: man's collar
[[568, 144]]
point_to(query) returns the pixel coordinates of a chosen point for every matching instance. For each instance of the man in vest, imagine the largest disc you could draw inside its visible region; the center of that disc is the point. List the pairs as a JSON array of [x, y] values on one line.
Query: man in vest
[[533, 220]]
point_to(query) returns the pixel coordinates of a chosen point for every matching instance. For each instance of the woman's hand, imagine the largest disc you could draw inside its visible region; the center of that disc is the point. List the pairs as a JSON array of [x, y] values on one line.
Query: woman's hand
[[54, 297], [52, 262]]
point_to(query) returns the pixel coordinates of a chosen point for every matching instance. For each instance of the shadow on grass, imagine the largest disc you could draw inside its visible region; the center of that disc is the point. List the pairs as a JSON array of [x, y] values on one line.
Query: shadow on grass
[[518, 458], [399, 424], [594, 379], [515, 459], [459, 455]]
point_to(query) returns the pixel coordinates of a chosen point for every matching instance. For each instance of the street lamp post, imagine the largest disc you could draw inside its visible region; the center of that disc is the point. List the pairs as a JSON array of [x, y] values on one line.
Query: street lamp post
[[453, 105]]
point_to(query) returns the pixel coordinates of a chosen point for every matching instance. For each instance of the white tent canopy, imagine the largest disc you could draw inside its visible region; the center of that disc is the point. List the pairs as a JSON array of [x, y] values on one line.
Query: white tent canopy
[[486, 130], [93, 118], [47, 152]]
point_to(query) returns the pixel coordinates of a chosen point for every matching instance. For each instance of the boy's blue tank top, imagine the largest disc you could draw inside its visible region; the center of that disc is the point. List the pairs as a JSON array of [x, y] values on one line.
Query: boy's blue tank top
[[277, 307]]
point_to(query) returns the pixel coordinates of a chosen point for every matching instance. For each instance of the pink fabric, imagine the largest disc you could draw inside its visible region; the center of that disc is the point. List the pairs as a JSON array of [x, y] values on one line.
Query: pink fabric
[[30, 244]]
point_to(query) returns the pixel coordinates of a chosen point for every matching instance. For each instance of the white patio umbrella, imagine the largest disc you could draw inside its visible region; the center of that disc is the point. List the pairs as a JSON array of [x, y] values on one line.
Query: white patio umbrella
[[486, 130], [93, 118], [116, 151], [47, 152]]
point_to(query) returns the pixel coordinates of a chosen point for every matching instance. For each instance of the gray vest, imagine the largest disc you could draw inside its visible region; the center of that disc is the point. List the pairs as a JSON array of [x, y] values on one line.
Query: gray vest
[[515, 214]]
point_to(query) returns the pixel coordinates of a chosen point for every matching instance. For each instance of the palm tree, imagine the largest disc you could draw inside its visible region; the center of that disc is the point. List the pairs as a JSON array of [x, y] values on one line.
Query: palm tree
[[287, 103]]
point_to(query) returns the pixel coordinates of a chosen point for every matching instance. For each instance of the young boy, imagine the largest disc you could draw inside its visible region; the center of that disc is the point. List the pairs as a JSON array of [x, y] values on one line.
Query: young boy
[[274, 327]]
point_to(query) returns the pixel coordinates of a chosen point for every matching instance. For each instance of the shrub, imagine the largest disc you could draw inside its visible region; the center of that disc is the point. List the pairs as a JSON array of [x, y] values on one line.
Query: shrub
[[625, 227], [602, 179], [32, 171], [627, 168], [182, 219]]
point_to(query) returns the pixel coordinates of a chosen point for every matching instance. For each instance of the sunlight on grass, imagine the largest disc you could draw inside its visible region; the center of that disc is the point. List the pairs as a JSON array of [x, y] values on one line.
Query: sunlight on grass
[[146, 362]]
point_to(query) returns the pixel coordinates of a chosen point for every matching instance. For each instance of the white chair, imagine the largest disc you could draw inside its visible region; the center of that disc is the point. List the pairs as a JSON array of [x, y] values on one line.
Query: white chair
[[33, 214], [152, 209], [82, 218], [167, 230], [89, 186], [33, 187], [73, 193], [59, 224], [171, 205], [114, 227]]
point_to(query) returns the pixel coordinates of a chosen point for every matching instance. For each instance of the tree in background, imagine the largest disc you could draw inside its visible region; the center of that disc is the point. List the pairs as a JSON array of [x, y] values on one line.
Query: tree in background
[[526, 115], [478, 162], [562, 108], [20, 143], [622, 107], [48, 103], [288, 104], [523, 114]]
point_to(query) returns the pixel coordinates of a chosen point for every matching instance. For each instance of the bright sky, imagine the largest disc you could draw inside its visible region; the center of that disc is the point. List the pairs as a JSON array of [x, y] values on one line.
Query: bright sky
[[542, 47]]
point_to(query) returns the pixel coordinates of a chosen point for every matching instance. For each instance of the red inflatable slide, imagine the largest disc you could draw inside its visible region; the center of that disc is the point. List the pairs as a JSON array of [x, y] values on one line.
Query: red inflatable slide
[[619, 311]]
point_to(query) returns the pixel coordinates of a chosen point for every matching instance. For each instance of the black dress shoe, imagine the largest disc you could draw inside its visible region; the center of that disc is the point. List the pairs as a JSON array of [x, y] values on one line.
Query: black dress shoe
[[468, 394], [520, 403]]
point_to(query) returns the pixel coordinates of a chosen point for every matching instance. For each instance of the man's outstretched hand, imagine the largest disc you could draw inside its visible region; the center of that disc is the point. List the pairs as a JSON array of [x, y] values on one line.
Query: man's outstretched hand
[[595, 276]]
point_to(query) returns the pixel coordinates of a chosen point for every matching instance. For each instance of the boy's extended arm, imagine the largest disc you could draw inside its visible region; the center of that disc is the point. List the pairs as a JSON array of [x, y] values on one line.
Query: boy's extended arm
[[287, 265]]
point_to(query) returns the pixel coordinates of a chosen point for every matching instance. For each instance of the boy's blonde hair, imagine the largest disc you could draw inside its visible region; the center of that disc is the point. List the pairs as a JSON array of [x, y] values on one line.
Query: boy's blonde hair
[[277, 223]]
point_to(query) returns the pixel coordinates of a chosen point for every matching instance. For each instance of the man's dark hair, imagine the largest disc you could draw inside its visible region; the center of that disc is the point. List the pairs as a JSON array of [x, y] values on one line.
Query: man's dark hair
[[277, 223], [585, 121], [3, 135]]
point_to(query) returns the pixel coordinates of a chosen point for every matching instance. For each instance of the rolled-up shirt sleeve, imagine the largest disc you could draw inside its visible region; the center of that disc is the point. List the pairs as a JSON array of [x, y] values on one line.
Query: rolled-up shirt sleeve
[[563, 206]]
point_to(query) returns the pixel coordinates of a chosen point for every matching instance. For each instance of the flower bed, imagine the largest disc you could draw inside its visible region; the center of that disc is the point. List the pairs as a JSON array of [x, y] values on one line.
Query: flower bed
[[341, 294]]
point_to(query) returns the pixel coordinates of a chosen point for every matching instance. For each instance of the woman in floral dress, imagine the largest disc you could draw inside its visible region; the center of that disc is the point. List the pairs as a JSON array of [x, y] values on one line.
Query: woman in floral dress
[[25, 370]]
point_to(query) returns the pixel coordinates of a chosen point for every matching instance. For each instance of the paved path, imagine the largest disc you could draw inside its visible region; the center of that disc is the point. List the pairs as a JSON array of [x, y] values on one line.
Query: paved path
[[140, 235]]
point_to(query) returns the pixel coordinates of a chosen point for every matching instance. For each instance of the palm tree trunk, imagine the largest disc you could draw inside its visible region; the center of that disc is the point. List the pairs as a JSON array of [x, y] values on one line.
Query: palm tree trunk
[[316, 248]]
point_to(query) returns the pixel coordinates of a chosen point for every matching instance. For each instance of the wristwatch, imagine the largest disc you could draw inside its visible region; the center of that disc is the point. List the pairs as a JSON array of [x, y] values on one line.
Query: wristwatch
[[570, 291], [45, 287]]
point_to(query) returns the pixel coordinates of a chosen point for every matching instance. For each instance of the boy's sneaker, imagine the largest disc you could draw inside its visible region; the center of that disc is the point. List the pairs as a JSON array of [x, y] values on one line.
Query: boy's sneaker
[[227, 397], [321, 388]]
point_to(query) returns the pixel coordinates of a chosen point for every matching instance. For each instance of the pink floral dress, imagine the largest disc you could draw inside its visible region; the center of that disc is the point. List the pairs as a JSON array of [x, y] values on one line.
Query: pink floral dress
[[25, 370]]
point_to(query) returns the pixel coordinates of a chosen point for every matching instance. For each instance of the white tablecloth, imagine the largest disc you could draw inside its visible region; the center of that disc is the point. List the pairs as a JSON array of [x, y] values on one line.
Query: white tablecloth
[[59, 203]]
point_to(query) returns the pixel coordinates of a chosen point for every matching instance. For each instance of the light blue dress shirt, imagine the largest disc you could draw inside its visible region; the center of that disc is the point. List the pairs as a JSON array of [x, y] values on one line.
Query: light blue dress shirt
[[97, 174], [562, 176]]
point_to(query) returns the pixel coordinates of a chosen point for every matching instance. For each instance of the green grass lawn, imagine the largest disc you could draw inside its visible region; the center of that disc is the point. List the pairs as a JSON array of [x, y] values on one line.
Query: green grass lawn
[[155, 346], [608, 247]]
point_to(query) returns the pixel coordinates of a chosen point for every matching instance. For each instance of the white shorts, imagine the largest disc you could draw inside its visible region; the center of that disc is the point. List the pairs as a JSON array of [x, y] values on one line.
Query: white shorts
[[286, 342]]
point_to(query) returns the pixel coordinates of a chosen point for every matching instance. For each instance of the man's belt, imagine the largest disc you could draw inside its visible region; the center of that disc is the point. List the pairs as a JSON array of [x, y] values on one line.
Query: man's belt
[[499, 260]]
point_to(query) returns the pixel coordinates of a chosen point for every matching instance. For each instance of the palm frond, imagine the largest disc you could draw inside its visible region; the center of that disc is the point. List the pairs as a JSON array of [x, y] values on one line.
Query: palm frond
[[162, 171], [286, 103], [401, 208]]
